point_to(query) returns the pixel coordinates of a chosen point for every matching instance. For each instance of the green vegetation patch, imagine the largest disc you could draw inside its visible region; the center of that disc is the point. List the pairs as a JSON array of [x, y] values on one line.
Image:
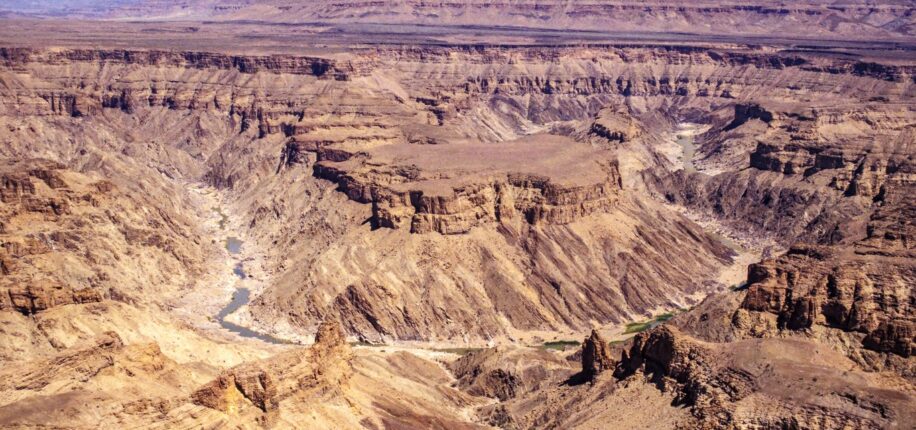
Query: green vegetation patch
[[459, 351], [561, 345], [637, 327], [664, 317]]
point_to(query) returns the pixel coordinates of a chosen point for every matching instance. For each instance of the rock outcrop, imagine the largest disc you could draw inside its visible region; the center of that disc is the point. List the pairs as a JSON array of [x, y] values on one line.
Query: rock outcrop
[[456, 187], [747, 112], [596, 356], [859, 290], [53, 217], [761, 383], [666, 352], [615, 126], [40, 295], [327, 364], [505, 372], [228, 392]]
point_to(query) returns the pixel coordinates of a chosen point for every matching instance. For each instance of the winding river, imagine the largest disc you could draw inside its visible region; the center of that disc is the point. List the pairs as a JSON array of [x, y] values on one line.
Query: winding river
[[240, 298]]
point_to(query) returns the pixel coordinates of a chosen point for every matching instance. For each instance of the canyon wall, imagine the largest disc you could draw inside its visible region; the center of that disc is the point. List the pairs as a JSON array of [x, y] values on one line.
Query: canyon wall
[[465, 143]]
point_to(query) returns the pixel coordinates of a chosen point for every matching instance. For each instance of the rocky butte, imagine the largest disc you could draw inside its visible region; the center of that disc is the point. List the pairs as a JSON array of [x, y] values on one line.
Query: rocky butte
[[467, 214]]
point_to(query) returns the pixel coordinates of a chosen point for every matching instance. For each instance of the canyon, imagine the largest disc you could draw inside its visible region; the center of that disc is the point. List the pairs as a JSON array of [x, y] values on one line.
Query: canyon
[[301, 215]]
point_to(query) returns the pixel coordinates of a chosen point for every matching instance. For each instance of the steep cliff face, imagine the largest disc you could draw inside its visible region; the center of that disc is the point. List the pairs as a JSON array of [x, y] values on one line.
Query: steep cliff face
[[863, 288], [820, 336], [829, 178], [517, 277], [811, 313], [864, 291], [453, 188]]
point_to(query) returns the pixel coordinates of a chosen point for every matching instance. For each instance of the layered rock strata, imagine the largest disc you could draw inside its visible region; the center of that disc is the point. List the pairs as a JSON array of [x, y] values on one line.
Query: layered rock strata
[[455, 187], [62, 234], [432, 140]]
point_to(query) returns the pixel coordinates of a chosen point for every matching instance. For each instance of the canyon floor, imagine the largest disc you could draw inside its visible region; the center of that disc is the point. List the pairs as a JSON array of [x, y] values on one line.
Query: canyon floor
[[224, 217]]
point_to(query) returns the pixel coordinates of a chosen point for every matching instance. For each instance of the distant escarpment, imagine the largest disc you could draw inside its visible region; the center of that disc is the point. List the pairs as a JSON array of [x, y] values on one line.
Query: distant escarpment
[[435, 85], [340, 69], [849, 20]]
